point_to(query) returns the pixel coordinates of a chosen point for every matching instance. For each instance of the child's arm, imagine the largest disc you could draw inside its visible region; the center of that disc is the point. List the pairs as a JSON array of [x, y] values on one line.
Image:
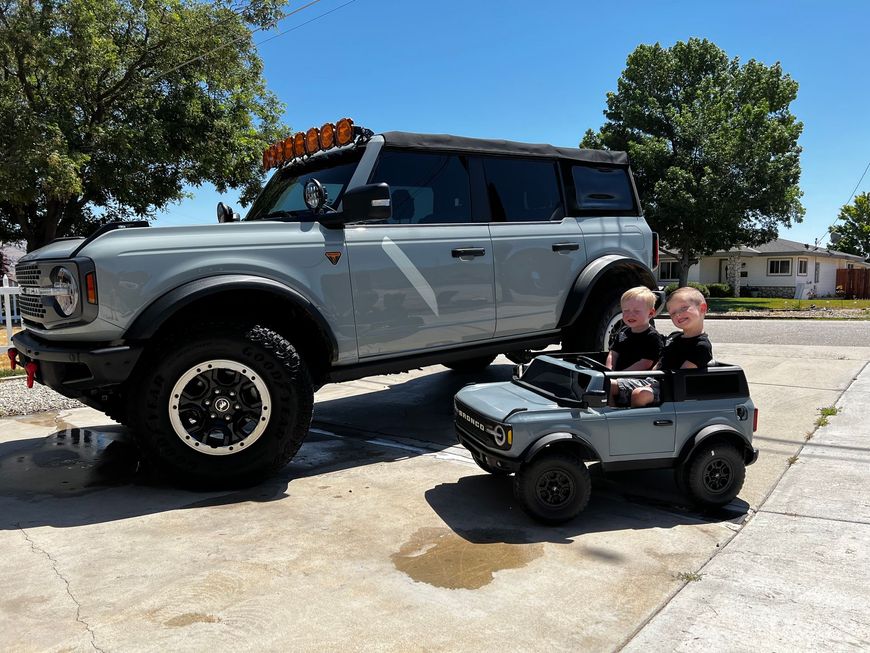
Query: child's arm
[[642, 364], [611, 359], [688, 365]]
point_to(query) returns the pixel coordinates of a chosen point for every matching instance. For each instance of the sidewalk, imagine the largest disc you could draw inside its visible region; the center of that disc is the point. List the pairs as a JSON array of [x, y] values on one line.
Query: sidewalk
[[797, 576]]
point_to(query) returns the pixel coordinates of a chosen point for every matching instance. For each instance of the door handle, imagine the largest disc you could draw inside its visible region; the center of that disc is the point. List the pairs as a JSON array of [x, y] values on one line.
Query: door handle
[[461, 252], [566, 247], [663, 422]]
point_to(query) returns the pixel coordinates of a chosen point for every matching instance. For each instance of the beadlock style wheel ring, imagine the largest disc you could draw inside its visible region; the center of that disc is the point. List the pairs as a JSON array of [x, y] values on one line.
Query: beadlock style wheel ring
[[612, 329], [219, 407]]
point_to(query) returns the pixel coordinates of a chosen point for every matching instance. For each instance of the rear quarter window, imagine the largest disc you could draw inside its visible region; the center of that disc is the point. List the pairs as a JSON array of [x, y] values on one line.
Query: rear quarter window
[[601, 190]]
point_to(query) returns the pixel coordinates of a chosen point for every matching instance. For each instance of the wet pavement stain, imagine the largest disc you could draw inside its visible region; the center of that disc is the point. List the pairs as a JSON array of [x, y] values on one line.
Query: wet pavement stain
[[69, 462], [50, 418], [189, 618], [440, 557]]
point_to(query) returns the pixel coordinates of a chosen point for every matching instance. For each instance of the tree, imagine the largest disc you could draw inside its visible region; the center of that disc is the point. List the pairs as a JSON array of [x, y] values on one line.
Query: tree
[[712, 143], [108, 108], [853, 234]]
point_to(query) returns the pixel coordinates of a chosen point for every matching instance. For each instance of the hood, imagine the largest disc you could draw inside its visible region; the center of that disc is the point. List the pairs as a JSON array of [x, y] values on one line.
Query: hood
[[498, 400], [56, 249]]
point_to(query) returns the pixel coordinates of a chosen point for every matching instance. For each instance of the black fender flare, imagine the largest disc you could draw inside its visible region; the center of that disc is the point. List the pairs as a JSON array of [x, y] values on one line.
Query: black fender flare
[[593, 273], [730, 434], [559, 437], [164, 307]]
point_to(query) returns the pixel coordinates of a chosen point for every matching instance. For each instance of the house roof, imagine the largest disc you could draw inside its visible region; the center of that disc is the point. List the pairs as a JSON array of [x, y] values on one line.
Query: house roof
[[781, 246]]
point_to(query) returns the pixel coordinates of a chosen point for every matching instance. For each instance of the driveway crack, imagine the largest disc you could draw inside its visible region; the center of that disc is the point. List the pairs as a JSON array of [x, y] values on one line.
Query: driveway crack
[[37, 549]]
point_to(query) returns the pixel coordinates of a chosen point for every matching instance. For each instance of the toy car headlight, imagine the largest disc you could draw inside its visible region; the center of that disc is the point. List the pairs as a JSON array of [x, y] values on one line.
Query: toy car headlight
[[66, 290], [503, 435]]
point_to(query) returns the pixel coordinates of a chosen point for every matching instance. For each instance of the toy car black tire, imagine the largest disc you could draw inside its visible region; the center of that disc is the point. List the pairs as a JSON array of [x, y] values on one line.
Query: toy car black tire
[[553, 488], [714, 474]]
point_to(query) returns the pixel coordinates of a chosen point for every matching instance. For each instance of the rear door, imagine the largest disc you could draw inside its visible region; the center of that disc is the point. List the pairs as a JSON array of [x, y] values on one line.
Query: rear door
[[538, 250], [423, 279]]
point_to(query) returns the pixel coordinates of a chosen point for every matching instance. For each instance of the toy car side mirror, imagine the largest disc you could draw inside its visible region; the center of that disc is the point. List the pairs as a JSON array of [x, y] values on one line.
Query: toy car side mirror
[[594, 398]]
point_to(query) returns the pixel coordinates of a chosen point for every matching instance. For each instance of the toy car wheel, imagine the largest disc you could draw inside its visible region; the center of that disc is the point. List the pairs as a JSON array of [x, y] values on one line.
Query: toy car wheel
[[553, 488], [470, 364], [715, 474], [485, 466], [226, 409]]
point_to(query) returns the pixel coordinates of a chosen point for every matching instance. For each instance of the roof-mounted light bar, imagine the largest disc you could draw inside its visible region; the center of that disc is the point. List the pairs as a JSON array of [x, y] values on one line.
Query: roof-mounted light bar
[[303, 144]]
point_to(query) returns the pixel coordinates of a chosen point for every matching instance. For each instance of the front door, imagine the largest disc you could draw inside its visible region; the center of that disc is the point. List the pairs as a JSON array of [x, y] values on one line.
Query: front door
[[638, 431]]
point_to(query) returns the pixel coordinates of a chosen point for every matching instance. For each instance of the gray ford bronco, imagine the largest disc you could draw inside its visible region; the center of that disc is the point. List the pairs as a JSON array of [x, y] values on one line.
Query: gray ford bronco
[[553, 417], [364, 254]]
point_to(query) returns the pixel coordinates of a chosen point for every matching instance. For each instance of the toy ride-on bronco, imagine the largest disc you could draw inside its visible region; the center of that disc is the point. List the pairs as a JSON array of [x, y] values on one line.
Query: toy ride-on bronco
[[553, 417]]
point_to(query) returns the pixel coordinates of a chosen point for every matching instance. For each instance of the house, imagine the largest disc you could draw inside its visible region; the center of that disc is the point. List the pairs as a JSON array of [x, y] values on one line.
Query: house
[[9, 255], [779, 268]]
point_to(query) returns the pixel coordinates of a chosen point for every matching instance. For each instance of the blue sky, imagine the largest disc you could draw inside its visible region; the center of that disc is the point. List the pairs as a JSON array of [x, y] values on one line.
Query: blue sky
[[540, 71]]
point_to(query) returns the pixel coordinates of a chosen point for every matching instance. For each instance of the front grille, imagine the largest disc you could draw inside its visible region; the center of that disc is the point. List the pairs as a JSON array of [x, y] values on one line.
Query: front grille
[[473, 423], [27, 275]]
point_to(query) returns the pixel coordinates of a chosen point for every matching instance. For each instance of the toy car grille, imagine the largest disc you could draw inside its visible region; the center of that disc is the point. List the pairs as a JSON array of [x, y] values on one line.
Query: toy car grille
[[473, 423], [27, 275]]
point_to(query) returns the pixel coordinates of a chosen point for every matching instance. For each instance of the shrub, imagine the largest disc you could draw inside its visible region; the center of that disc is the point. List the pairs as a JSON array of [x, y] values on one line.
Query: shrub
[[698, 286], [719, 290]]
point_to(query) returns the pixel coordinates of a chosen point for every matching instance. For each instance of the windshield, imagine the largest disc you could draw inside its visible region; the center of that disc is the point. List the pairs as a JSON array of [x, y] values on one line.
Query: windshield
[[283, 195]]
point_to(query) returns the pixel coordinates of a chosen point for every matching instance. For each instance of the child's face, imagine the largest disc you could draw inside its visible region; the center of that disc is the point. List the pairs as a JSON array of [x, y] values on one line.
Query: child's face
[[636, 314], [687, 315]]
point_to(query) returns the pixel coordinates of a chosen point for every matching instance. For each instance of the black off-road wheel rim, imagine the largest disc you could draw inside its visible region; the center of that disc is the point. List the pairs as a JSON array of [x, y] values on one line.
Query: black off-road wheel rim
[[554, 489], [717, 476], [219, 407]]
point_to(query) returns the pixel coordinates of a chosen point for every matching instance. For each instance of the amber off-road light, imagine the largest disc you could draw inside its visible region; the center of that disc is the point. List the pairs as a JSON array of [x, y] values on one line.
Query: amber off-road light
[[344, 130], [312, 141], [327, 136], [288, 148], [299, 144]]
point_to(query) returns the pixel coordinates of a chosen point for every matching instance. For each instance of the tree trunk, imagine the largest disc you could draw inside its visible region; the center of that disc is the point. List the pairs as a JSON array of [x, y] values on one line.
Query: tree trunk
[[685, 264]]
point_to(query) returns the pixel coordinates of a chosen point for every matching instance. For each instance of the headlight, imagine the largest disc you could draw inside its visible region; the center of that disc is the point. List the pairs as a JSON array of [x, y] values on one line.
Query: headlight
[[66, 290]]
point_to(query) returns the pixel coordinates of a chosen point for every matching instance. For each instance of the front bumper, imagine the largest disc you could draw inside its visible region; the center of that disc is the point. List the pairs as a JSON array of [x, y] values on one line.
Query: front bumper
[[491, 458], [71, 368]]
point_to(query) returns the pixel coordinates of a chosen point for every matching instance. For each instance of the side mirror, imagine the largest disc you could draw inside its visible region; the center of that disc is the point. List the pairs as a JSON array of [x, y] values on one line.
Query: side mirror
[[225, 213], [368, 202]]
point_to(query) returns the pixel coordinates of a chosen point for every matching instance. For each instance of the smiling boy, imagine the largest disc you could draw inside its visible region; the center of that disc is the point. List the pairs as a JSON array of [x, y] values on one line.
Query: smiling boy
[[637, 345]]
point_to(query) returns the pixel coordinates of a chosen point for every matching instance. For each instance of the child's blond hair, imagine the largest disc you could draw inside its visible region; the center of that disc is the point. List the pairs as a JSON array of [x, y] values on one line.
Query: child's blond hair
[[691, 295], [639, 292]]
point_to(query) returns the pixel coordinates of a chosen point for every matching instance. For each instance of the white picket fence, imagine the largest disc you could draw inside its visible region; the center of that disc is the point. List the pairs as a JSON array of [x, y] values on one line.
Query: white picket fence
[[9, 312]]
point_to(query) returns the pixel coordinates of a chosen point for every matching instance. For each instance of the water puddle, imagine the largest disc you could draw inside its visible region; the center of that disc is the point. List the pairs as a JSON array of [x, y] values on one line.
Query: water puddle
[[67, 463], [440, 557]]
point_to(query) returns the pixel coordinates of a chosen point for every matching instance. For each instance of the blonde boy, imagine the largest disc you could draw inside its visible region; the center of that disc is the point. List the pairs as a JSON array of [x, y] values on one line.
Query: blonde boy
[[637, 345], [686, 349]]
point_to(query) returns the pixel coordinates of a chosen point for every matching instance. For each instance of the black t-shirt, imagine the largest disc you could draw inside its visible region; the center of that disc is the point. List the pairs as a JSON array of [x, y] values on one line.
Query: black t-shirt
[[633, 347], [679, 349]]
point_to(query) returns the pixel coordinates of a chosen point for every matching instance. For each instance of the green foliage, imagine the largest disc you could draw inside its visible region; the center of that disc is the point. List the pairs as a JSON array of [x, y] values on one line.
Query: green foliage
[[712, 143], [853, 233], [705, 290], [108, 108], [719, 289]]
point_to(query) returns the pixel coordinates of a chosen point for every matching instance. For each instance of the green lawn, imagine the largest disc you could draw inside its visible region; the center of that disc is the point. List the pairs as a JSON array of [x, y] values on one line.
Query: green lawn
[[723, 304]]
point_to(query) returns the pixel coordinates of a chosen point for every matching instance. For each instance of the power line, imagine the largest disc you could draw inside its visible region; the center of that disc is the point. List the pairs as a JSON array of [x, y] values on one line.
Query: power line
[[820, 240]]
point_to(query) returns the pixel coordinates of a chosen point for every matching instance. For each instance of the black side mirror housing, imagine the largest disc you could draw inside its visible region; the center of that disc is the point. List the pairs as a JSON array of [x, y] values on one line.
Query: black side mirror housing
[[226, 213], [368, 202]]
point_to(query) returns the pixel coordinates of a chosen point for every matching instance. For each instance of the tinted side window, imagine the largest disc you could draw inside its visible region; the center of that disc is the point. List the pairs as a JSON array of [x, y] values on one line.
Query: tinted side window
[[425, 188], [606, 190], [522, 190]]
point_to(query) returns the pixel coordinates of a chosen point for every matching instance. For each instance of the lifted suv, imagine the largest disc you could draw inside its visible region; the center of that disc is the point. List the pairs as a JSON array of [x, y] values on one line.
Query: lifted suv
[[365, 253], [552, 418]]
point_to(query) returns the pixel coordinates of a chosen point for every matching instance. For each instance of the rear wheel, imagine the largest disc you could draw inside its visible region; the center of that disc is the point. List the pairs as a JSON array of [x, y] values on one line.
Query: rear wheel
[[225, 409], [598, 333], [475, 364], [553, 488], [714, 474]]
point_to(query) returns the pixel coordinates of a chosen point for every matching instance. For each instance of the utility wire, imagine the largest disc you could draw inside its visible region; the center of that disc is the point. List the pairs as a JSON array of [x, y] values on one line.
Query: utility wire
[[820, 240]]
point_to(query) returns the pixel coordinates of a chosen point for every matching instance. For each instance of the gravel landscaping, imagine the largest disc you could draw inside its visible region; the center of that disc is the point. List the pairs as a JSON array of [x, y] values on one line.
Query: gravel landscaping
[[17, 399]]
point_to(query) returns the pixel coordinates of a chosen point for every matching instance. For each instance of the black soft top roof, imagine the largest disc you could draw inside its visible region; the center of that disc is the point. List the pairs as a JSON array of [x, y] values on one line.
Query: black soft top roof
[[491, 146]]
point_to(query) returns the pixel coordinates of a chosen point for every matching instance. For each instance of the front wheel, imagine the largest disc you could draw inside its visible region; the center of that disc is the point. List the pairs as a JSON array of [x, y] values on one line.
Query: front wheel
[[714, 475], [225, 409], [553, 488]]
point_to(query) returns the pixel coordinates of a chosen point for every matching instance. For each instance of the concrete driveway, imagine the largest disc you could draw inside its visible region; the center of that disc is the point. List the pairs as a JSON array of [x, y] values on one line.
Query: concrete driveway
[[381, 535]]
